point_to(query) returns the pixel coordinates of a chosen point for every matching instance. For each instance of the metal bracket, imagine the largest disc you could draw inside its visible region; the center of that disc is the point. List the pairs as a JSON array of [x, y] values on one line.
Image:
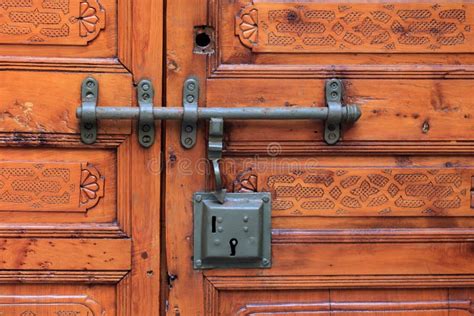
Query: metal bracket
[[146, 120], [190, 115], [88, 124], [332, 129]]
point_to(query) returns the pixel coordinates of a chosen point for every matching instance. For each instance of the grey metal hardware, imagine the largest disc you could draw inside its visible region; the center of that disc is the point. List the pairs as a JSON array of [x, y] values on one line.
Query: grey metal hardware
[[190, 112], [146, 121], [214, 154], [233, 234], [90, 92], [334, 114], [89, 113]]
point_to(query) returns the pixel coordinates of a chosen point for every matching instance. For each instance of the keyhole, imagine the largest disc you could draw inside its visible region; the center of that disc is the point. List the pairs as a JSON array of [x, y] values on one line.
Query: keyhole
[[214, 219], [233, 246]]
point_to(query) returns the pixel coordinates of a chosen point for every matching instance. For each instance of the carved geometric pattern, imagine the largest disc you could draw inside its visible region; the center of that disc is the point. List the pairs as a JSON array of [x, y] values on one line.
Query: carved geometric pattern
[[57, 305], [365, 191], [369, 27], [69, 187], [51, 22]]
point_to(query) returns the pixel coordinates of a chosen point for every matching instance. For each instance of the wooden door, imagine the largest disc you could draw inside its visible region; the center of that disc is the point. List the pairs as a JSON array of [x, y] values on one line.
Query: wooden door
[[75, 238], [379, 224]]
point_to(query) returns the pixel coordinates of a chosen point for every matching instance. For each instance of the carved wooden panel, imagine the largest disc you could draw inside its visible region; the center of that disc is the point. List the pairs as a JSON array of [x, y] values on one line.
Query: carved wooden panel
[[269, 27], [364, 191], [32, 186], [50, 22], [54, 305]]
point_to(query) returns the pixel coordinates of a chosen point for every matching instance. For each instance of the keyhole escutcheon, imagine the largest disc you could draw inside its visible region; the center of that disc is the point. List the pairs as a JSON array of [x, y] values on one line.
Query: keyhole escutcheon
[[233, 246]]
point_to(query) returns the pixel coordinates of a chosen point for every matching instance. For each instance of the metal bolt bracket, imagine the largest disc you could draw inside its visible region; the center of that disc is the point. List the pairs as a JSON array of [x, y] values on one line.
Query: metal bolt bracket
[[190, 115], [146, 120], [88, 123], [332, 130]]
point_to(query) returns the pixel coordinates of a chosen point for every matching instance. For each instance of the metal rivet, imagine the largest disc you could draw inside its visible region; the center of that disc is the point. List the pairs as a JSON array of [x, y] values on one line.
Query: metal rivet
[[246, 229], [220, 229], [334, 95], [198, 198], [334, 85], [188, 141], [332, 135], [246, 219], [191, 86], [198, 263], [145, 96], [145, 87], [146, 128], [265, 261], [189, 129], [90, 84], [266, 199], [190, 98], [146, 139], [220, 219], [217, 242]]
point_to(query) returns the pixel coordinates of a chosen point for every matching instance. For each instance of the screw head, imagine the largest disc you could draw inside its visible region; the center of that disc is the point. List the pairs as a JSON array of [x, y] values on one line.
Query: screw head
[[146, 128], [334, 85], [188, 141], [334, 94], [191, 86], [88, 126], [146, 139], [198, 198], [198, 263], [145, 87], [266, 199], [90, 84], [265, 261], [188, 129], [332, 136], [145, 96], [190, 98]]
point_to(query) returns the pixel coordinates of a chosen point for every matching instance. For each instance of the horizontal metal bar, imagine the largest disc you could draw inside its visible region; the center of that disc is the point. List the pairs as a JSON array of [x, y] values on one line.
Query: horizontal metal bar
[[248, 113]]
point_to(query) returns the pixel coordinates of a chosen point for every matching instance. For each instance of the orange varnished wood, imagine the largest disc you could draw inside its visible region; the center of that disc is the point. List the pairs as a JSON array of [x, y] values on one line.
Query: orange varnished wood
[[338, 246], [49, 106], [68, 214], [48, 254]]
